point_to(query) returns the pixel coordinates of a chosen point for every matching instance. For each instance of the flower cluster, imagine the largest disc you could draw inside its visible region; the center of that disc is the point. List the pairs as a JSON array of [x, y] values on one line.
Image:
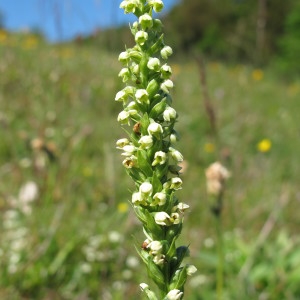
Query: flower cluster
[[150, 156]]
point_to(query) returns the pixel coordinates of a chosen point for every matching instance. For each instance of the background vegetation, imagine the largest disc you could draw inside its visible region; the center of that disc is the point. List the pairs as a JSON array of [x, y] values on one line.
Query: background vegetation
[[66, 227]]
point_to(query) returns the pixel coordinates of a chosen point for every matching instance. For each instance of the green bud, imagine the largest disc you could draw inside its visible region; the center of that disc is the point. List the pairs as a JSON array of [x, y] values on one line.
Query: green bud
[[146, 21], [152, 88]]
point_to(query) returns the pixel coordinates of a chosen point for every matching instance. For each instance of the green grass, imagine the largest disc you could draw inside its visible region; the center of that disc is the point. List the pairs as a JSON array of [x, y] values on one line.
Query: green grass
[[63, 95]]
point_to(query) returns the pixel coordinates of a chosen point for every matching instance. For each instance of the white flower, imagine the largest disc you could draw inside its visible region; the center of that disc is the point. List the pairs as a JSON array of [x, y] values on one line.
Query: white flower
[[175, 154], [159, 259], [158, 5], [181, 207], [175, 218], [123, 117], [142, 96], [176, 183], [153, 64], [159, 199], [141, 37], [144, 286], [169, 114], [174, 295], [155, 129], [155, 247], [125, 74], [162, 218], [160, 158], [121, 143], [146, 189], [146, 141], [166, 52], [166, 71], [128, 150], [129, 6], [146, 21], [136, 198], [129, 162], [167, 85], [123, 57], [28, 192], [191, 269], [121, 96]]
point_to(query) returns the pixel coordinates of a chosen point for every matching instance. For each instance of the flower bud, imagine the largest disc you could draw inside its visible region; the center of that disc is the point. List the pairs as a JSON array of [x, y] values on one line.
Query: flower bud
[[137, 198], [174, 295], [141, 37], [175, 154], [157, 25], [146, 141], [166, 52], [169, 114], [146, 21], [142, 96], [162, 218], [154, 64], [167, 85], [160, 158], [159, 259]]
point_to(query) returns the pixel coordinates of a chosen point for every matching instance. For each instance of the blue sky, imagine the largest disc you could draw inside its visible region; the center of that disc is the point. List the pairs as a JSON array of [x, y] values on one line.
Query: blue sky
[[65, 19]]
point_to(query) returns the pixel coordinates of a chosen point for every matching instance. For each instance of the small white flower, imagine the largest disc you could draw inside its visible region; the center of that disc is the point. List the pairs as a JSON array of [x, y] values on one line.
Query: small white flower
[[136, 198], [175, 154], [181, 207], [175, 218], [157, 5], [146, 189], [155, 129], [141, 37], [159, 259], [28, 192], [121, 96], [166, 52], [162, 218], [142, 96], [125, 74], [146, 21], [167, 85], [176, 183], [166, 71], [174, 137], [169, 114], [146, 141], [191, 269], [128, 150], [174, 295], [155, 247], [159, 199], [130, 162], [121, 143], [160, 158], [123, 117], [144, 286], [153, 64], [129, 6], [123, 57]]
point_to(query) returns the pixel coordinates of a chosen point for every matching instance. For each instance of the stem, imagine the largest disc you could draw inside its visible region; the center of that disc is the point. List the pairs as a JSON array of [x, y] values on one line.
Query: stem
[[220, 267]]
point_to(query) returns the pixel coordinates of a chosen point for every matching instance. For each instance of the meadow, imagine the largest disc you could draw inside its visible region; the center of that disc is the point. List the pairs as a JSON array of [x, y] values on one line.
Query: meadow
[[67, 229]]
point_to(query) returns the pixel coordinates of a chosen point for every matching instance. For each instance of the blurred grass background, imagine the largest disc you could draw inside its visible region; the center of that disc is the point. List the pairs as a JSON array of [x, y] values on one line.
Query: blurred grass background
[[67, 231]]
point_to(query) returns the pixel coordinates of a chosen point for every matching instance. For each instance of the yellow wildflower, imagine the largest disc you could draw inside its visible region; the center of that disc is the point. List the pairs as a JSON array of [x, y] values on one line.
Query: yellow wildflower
[[209, 147], [3, 36], [264, 145], [257, 74], [30, 42], [123, 207]]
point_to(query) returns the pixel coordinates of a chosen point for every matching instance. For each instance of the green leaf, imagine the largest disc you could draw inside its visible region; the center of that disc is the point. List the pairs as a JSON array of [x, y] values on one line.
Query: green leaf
[[155, 273], [178, 279], [143, 162]]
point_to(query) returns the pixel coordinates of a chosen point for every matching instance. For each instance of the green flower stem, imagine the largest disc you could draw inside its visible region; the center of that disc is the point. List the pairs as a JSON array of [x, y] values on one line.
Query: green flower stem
[[151, 159]]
